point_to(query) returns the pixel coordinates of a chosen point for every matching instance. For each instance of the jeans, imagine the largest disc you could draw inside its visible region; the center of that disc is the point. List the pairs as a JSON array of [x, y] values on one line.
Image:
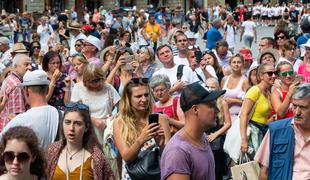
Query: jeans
[[248, 40], [26, 34]]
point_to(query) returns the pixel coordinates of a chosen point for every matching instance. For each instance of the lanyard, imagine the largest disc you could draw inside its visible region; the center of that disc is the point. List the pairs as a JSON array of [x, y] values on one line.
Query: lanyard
[[81, 170]]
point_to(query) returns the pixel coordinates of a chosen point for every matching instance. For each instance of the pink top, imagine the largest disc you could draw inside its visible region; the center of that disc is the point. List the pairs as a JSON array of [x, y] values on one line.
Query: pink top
[[236, 92], [304, 72], [95, 60], [301, 164]]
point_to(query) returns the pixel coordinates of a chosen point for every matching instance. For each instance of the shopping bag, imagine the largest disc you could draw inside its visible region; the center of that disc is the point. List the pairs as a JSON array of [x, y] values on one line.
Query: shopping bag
[[245, 171]]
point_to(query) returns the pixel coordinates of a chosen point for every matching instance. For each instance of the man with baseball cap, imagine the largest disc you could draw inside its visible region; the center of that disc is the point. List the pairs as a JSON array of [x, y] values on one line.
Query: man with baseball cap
[[188, 154], [41, 117], [91, 47]]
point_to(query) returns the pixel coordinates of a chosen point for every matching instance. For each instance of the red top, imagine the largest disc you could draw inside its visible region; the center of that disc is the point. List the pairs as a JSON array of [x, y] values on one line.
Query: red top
[[170, 111], [289, 112]]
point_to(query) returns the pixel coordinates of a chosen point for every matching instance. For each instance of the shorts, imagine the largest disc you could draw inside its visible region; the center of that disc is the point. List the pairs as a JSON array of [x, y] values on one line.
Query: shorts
[[264, 17]]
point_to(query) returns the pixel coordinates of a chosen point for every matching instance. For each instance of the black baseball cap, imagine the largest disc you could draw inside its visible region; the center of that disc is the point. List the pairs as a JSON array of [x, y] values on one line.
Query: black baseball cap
[[197, 93]]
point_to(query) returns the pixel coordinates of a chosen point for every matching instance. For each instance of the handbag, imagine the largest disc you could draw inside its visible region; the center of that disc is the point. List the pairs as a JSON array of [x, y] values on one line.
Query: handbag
[[245, 171], [233, 140], [146, 165]]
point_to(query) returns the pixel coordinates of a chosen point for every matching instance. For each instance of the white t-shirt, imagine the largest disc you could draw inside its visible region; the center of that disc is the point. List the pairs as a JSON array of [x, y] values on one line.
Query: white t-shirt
[[210, 70], [264, 11], [45, 33], [42, 120], [223, 61], [248, 28], [270, 12], [177, 60], [256, 10], [100, 103], [230, 36], [188, 75]]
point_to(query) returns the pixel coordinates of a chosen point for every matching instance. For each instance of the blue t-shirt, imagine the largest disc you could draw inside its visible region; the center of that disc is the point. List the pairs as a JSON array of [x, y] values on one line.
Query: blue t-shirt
[[159, 17], [302, 39], [213, 36], [181, 157]]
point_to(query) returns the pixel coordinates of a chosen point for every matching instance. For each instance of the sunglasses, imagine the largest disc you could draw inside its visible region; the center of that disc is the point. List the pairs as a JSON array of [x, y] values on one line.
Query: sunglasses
[[193, 47], [78, 45], [139, 80], [280, 37], [270, 73], [9, 157], [77, 105], [284, 74], [36, 47], [95, 81]]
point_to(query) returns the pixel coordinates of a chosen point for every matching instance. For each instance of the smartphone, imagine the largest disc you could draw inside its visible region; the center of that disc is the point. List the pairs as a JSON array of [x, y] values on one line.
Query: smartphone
[[128, 59], [198, 56], [299, 78], [153, 118]]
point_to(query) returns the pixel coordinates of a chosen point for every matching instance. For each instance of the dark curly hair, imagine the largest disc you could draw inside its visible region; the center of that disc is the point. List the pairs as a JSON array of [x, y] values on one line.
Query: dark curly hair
[[27, 135]]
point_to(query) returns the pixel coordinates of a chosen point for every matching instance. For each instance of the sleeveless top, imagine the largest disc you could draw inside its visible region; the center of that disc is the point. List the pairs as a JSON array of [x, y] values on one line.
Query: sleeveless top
[[149, 71], [170, 111], [141, 40], [87, 172], [238, 93], [289, 112]]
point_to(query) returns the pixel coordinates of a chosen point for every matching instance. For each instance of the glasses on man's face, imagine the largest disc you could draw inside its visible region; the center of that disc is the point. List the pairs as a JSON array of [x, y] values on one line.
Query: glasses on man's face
[[270, 73], [77, 105], [139, 81], [9, 157], [285, 74]]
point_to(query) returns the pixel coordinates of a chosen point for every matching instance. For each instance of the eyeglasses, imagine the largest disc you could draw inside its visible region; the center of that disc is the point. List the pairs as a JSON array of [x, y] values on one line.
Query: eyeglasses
[[193, 47], [270, 73], [36, 47], [9, 157], [78, 45], [95, 81], [139, 80], [284, 74], [184, 27], [77, 105], [281, 37]]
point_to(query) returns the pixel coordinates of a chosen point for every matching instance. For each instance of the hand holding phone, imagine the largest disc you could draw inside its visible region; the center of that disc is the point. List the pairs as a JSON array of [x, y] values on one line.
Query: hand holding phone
[[153, 118], [299, 78]]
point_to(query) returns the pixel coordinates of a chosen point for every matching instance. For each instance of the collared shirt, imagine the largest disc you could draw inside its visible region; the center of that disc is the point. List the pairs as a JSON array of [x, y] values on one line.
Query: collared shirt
[[6, 58], [301, 164], [16, 100]]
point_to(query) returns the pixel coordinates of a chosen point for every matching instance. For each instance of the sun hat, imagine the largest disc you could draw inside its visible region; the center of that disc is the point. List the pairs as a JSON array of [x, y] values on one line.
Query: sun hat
[[4, 40], [74, 25], [197, 93], [35, 78], [19, 48], [94, 41], [271, 51]]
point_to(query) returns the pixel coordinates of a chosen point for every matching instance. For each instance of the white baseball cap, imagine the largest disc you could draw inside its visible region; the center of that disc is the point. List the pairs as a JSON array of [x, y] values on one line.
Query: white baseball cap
[[94, 41], [34, 78]]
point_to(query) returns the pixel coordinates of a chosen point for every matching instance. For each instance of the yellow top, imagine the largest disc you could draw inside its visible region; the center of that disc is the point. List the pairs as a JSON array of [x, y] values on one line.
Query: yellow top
[[155, 29], [263, 108], [87, 172]]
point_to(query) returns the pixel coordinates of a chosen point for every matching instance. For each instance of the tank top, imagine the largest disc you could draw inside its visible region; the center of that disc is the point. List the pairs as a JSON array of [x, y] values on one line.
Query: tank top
[[87, 172], [141, 40], [170, 110], [236, 92], [289, 112]]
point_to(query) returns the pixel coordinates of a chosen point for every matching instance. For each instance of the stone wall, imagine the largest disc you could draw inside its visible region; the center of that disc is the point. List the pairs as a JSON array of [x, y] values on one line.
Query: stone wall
[[34, 5]]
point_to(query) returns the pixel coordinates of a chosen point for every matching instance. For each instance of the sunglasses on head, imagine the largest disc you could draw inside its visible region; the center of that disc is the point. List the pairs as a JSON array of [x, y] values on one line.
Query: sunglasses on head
[[285, 74], [270, 73], [77, 105], [139, 80], [9, 157]]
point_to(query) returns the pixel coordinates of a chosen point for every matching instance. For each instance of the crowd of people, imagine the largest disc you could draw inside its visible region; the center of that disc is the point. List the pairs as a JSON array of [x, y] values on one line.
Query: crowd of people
[[108, 95]]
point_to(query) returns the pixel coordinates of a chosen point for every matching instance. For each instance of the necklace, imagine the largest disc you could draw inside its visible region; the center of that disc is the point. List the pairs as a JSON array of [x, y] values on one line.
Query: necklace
[[199, 144], [71, 155], [81, 169]]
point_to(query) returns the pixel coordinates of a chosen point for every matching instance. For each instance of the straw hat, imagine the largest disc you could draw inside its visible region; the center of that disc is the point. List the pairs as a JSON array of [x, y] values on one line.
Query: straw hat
[[19, 48], [74, 25]]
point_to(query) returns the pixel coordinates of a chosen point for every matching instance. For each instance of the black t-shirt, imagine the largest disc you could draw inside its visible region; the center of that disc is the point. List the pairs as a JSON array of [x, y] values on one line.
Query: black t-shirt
[[294, 16]]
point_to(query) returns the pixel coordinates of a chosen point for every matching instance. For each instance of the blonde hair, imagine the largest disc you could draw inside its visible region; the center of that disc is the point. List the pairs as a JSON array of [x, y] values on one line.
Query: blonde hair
[[90, 72], [129, 125], [80, 58]]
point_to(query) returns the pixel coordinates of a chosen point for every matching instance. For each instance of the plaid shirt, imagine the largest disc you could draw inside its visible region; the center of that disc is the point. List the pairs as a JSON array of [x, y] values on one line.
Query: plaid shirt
[[15, 101]]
